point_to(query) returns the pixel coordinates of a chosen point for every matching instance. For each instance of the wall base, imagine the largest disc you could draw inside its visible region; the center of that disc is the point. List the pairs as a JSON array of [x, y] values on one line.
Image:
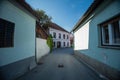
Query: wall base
[[102, 68], [16, 69]]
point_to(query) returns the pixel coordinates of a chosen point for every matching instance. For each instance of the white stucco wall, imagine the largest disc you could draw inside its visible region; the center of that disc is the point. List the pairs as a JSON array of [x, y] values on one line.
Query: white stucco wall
[[109, 55], [24, 34], [81, 38], [51, 31], [41, 48]]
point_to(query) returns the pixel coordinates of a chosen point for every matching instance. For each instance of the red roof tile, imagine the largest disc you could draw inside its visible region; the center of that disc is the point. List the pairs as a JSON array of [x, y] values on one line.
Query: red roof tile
[[55, 26], [40, 31]]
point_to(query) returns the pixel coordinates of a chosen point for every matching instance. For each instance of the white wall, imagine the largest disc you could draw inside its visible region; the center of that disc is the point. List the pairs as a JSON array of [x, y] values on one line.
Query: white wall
[[24, 34], [51, 30], [41, 48], [81, 38]]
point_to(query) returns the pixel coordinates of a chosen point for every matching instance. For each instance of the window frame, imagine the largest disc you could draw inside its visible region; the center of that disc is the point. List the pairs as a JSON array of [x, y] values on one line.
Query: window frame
[[67, 36], [109, 23], [7, 40], [54, 43], [63, 36], [64, 44], [59, 35], [54, 34]]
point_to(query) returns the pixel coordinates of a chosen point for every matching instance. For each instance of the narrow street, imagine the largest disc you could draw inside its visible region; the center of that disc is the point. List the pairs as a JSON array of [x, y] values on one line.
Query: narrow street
[[71, 68]]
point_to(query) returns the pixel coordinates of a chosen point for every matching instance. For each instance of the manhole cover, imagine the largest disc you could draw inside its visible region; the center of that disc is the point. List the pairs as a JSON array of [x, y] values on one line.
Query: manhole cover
[[60, 65]]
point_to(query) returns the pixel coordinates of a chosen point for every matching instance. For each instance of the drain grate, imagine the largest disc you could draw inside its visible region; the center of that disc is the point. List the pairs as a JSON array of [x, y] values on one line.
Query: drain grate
[[60, 65]]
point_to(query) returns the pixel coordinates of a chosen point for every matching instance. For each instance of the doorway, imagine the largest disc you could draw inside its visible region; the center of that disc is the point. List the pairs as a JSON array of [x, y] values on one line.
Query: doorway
[[58, 44]]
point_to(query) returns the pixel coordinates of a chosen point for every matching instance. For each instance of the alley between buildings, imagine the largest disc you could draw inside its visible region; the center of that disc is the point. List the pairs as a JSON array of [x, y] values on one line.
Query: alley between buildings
[[61, 65]]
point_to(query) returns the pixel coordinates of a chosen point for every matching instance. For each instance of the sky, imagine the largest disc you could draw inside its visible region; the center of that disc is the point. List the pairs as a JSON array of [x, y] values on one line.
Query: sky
[[65, 13]]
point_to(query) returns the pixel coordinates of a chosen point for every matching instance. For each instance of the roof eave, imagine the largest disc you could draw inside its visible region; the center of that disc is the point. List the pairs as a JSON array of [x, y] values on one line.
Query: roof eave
[[26, 6], [57, 27], [90, 10]]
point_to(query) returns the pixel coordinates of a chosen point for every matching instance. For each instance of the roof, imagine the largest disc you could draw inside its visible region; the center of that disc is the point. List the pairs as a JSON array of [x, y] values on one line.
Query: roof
[[26, 6], [40, 31], [89, 11], [55, 26]]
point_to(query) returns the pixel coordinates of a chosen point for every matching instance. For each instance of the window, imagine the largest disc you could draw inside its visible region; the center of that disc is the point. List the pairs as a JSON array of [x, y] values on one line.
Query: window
[[64, 43], [116, 32], [6, 33], [54, 44], [67, 37], [110, 32], [63, 36], [59, 36], [67, 44], [54, 35], [105, 34]]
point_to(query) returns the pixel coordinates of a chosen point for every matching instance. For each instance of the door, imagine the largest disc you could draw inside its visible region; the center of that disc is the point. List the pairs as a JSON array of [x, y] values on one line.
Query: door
[[58, 44]]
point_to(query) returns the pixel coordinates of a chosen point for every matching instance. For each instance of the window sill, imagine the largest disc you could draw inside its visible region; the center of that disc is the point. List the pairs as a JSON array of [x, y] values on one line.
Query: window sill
[[109, 47]]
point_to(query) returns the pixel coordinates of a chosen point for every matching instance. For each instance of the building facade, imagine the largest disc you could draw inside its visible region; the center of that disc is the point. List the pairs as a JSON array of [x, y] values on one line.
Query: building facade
[[17, 38], [97, 37], [61, 37]]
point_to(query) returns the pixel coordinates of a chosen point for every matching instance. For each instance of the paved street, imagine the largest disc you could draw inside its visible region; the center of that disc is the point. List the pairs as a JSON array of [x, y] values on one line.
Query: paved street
[[71, 68]]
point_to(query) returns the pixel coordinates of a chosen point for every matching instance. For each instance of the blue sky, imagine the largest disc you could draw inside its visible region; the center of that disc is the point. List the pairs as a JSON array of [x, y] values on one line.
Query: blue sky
[[65, 13]]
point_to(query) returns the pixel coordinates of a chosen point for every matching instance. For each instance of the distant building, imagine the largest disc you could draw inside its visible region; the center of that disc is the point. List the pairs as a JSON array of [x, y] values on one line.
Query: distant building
[[71, 40], [61, 37], [97, 37]]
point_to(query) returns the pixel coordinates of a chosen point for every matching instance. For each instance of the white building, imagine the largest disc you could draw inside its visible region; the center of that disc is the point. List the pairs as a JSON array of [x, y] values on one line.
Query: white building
[[97, 37], [61, 37]]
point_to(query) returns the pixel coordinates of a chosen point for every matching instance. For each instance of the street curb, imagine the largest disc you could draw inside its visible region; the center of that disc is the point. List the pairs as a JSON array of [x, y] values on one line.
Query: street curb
[[90, 67]]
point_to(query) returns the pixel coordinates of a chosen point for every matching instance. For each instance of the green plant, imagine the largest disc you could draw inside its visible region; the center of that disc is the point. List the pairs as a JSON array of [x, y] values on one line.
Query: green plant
[[44, 19], [50, 42]]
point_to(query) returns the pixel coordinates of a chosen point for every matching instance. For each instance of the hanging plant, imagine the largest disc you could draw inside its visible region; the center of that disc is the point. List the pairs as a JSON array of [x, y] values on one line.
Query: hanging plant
[[50, 42]]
